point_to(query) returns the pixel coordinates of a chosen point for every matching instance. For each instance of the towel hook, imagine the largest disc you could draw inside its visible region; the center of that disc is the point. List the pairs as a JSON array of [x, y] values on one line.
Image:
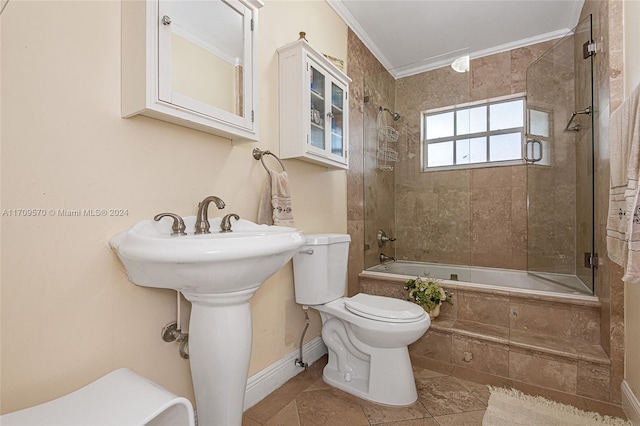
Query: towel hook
[[258, 154]]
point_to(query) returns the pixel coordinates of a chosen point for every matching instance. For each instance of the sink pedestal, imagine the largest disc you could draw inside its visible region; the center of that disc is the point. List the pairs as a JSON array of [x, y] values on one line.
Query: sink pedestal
[[220, 335], [218, 273]]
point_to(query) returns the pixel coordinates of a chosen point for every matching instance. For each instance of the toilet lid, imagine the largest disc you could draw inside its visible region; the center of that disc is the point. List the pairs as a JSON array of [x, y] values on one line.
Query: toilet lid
[[387, 309]]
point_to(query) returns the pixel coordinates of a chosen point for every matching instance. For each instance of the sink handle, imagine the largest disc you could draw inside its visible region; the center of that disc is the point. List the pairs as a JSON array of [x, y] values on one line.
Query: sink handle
[[225, 225], [178, 227]]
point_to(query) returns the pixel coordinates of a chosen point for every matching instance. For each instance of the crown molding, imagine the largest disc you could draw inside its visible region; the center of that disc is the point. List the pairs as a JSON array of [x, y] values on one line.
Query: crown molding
[[440, 60], [429, 65], [355, 26]]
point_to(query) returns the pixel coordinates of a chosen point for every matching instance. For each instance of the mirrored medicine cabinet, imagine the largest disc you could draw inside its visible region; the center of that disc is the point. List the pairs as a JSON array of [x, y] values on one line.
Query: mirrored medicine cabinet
[[192, 63]]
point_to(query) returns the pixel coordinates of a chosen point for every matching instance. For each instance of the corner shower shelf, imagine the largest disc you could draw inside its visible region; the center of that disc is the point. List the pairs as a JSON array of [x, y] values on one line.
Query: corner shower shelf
[[388, 133], [385, 155]]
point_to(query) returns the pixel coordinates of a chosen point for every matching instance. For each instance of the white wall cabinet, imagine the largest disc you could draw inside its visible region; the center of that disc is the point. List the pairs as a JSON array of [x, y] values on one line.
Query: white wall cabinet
[[192, 63], [314, 108]]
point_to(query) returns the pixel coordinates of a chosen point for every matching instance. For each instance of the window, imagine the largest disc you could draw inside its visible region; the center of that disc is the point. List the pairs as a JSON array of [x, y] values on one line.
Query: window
[[487, 132], [537, 148]]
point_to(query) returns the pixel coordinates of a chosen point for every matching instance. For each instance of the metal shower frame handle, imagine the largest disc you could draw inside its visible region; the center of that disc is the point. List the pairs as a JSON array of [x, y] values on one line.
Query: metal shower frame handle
[[577, 127], [532, 142]]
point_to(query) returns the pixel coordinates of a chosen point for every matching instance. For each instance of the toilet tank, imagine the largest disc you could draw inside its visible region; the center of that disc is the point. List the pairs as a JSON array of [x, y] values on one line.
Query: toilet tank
[[320, 269]]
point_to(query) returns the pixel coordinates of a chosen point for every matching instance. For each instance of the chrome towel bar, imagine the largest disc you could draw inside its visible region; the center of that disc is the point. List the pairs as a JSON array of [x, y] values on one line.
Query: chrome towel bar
[[258, 154]]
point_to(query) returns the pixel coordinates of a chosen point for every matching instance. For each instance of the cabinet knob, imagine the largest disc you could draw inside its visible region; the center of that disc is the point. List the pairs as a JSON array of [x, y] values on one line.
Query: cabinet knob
[[166, 20], [330, 114]]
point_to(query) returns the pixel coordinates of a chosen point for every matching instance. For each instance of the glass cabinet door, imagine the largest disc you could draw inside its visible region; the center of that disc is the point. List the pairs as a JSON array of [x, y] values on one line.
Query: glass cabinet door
[[317, 114], [326, 113], [336, 115], [314, 107]]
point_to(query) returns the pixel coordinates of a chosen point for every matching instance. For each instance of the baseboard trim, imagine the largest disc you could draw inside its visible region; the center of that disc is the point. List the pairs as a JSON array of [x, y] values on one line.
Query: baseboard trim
[[630, 404], [271, 378]]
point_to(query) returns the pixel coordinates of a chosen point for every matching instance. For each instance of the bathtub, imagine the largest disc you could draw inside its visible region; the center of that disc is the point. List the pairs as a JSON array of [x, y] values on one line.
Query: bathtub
[[558, 285]]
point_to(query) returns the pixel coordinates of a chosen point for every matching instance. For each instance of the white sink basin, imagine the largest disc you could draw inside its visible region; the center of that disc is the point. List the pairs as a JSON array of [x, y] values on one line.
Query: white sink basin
[[206, 263], [218, 273]]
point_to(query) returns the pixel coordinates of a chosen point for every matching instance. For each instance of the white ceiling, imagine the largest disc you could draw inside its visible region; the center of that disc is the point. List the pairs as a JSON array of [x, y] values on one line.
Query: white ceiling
[[412, 36]]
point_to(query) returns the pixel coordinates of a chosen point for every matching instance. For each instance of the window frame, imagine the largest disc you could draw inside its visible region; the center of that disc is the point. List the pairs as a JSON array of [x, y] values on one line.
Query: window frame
[[487, 134], [546, 141]]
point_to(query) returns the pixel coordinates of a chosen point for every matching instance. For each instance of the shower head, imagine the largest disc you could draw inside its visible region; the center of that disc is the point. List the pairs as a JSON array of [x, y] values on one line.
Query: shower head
[[394, 115]]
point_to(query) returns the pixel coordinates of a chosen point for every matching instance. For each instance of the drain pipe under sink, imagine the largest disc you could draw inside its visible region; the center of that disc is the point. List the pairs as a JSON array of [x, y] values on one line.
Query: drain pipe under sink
[[173, 331], [299, 361]]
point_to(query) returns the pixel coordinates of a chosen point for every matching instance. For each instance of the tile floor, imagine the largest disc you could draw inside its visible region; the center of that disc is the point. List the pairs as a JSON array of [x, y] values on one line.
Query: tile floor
[[307, 400]]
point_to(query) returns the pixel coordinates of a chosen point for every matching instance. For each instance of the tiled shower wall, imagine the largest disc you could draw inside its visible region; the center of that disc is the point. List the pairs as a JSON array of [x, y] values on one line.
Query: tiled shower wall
[[379, 186], [492, 76], [554, 189], [609, 287], [361, 64], [471, 216]]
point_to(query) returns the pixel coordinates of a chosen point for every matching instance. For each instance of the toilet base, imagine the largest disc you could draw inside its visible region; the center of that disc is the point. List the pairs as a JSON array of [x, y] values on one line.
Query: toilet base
[[385, 385], [381, 375]]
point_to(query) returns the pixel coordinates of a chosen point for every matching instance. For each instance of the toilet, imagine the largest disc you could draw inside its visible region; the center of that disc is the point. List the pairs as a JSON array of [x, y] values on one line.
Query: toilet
[[367, 336], [121, 398]]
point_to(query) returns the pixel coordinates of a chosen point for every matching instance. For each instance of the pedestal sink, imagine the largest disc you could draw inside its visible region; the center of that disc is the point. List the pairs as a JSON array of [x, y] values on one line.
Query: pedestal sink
[[218, 273]]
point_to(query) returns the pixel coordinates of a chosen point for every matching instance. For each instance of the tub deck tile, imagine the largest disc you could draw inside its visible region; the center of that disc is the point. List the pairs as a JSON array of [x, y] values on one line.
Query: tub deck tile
[[543, 370], [483, 331], [545, 341], [479, 354], [578, 351], [484, 308]]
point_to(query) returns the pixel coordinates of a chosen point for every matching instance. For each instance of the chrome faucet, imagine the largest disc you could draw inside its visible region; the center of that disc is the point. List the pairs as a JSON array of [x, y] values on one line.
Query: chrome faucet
[[225, 225], [202, 218], [384, 258], [383, 238]]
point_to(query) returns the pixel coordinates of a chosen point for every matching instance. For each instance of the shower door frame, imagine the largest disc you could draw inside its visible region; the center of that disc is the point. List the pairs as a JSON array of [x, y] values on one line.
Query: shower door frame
[[548, 261]]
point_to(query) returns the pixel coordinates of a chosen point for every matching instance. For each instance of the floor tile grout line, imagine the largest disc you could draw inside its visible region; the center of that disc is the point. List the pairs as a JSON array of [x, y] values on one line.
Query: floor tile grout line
[[425, 414], [448, 415], [470, 392]]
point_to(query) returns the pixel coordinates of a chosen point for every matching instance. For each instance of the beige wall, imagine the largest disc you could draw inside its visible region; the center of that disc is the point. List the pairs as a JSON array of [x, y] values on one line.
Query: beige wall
[[69, 314], [632, 292]]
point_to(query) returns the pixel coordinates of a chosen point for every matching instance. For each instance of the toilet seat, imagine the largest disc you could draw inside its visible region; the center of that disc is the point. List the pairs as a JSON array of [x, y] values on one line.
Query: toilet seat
[[385, 309]]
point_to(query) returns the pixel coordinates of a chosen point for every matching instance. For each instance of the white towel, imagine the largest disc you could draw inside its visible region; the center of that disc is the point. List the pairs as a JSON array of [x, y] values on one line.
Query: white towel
[[275, 207], [623, 222]]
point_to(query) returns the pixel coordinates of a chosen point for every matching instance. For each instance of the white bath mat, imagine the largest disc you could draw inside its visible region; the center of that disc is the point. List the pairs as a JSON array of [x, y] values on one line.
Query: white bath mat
[[509, 407]]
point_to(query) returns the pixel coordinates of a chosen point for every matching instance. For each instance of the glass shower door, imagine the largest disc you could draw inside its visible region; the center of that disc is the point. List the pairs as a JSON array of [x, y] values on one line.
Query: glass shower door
[[560, 171]]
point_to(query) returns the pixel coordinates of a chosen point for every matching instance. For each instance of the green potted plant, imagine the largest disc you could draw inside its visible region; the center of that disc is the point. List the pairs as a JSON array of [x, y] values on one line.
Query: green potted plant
[[428, 294]]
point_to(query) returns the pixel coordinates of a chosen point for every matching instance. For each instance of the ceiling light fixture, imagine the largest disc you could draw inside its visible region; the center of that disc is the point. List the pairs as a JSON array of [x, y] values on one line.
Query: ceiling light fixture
[[461, 64]]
